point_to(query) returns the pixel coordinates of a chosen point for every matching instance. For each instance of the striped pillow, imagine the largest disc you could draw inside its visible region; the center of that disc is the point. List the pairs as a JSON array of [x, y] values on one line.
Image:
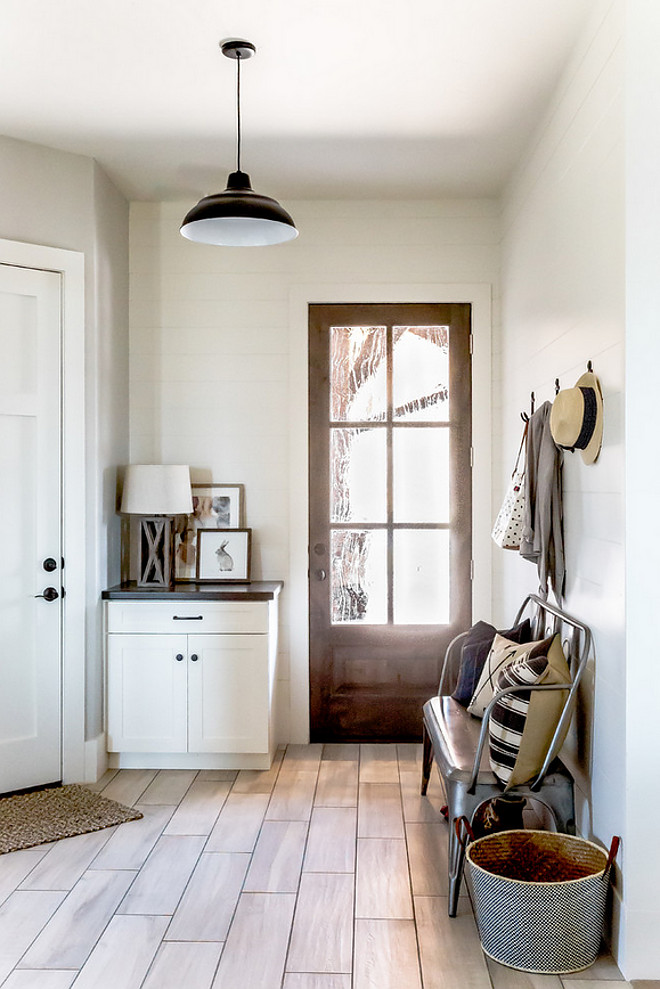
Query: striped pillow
[[522, 724]]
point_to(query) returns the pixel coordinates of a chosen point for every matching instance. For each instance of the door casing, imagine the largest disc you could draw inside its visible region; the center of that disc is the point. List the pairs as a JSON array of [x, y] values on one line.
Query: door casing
[[295, 721]]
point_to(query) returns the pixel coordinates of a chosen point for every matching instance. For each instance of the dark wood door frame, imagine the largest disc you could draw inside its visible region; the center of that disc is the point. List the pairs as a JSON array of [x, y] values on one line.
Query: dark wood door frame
[[392, 711]]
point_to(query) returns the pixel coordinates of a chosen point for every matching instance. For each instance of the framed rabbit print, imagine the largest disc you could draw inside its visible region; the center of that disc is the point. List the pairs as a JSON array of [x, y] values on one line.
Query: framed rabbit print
[[223, 555]]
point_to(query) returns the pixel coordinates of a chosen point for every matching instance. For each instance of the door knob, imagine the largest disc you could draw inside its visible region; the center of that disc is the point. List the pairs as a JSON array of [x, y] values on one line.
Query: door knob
[[50, 594], [49, 564], [321, 575]]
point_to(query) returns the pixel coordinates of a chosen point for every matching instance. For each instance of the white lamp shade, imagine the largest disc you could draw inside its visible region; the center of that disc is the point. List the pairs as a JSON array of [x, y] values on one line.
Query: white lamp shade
[[156, 489]]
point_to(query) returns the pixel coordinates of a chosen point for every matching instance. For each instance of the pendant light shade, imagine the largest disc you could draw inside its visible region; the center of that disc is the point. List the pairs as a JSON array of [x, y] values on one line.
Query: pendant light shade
[[238, 217]]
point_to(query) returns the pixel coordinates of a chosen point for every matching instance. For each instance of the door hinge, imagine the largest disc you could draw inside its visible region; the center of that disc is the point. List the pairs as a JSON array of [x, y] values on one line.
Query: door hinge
[[471, 338]]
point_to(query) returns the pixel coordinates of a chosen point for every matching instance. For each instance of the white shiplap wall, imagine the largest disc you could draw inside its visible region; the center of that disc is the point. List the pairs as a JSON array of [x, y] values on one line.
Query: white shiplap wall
[[563, 303], [218, 365]]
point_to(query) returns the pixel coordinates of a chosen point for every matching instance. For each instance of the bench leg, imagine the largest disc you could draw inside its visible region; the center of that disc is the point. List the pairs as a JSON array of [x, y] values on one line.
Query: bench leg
[[427, 759], [456, 856]]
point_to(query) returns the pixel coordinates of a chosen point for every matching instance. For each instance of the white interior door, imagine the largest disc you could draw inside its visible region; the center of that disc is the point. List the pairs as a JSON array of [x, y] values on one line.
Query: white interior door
[[30, 507]]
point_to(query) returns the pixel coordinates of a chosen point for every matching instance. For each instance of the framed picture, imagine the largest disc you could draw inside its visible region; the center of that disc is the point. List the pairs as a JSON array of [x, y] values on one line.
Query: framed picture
[[224, 555], [215, 506]]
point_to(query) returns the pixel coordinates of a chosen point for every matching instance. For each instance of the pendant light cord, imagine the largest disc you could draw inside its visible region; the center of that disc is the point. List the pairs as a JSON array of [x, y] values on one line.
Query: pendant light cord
[[238, 111]]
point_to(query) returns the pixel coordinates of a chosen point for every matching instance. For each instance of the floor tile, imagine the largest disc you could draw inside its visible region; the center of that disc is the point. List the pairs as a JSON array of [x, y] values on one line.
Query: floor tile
[[207, 906], [238, 825], [509, 978], [130, 845], [379, 811], [181, 965], [124, 953], [331, 840], [277, 859], [15, 867], [378, 764], [343, 751], [128, 785], [305, 758], [163, 878], [259, 780], [382, 884], [386, 955], [337, 784], [24, 979], [66, 860], [450, 950], [22, 917], [292, 796], [199, 809], [325, 903], [169, 786], [76, 926], [263, 920], [314, 980]]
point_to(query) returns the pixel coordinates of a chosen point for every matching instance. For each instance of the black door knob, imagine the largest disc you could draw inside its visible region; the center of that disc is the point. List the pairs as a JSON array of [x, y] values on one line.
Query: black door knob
[[50, 594], [49, 564]]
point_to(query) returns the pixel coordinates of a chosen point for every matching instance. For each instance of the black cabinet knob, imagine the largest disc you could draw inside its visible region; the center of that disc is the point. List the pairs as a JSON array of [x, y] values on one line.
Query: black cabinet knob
[[179, 657], [194, 658]]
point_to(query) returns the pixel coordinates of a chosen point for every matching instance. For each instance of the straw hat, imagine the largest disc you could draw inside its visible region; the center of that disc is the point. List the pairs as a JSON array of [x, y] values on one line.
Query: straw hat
[[576, 419]]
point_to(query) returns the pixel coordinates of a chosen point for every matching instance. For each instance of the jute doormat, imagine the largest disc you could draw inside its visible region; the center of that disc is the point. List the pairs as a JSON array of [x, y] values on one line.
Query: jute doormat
[[28, 819]]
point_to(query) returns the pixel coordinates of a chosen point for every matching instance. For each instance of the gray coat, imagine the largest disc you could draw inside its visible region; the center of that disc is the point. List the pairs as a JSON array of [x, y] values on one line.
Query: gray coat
[[542, 537]]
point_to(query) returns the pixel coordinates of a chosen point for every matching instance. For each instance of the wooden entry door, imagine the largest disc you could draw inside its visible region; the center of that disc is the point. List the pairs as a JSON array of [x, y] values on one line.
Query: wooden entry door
[[30, 504], [390, 511]]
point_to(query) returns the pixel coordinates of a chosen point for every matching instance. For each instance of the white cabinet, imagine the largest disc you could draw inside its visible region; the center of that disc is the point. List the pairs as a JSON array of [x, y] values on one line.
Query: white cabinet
[[190, 684]]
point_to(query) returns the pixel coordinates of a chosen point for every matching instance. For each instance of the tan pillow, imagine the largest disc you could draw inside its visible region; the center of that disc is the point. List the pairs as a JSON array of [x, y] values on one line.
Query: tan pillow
[[545, 707], [502, 653]]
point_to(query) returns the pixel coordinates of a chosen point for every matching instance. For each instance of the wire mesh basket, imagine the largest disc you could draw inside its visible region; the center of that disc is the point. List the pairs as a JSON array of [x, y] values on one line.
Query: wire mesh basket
[[539, 898]]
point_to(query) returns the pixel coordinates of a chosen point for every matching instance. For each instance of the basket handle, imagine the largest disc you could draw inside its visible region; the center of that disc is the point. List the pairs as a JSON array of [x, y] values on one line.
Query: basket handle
[[614, 848], [463, 831]]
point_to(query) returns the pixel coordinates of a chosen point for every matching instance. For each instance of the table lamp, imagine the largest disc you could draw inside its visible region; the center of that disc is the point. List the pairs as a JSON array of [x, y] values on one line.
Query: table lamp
[[155, 493]]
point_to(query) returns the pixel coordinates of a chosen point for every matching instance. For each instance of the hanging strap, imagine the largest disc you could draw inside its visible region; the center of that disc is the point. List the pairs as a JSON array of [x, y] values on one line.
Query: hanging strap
[[520, 449]]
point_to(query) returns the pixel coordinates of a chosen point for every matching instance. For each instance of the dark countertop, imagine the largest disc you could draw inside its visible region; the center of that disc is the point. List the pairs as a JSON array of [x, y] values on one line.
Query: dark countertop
[[257, 590]]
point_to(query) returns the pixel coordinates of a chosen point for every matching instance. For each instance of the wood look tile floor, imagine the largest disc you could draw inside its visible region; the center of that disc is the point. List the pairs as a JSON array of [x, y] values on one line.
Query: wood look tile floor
[[326, 872]]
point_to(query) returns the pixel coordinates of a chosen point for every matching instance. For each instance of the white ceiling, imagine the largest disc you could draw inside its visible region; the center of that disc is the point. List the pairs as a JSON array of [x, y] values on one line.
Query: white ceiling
[[345, 98]]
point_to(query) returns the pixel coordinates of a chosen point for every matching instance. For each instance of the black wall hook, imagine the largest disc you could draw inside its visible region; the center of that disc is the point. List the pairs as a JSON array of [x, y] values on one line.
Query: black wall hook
[[532, 401], [590, 367], [557, 386]]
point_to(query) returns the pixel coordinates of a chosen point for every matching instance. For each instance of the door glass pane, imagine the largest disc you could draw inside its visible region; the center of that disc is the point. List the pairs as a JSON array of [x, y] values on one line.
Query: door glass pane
[[421, 474], [420, 365], [421, 577], [358, 578], [358, 373], [358, 477]]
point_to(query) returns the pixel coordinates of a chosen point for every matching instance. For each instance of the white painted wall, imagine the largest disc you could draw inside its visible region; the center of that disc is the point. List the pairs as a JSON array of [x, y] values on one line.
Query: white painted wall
[[641, 951], [55, 199], [219, 366], [563, 303]]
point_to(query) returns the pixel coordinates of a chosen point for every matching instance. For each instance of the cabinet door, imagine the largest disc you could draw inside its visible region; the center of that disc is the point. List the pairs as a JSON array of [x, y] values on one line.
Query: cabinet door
[[228, 693], [147, 694]]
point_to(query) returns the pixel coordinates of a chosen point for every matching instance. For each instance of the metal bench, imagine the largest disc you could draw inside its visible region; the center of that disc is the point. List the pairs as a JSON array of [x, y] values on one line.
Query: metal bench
[[458, 742]]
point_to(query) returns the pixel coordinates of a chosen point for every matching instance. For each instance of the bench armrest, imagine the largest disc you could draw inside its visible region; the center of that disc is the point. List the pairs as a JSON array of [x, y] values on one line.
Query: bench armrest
[[551, 753]]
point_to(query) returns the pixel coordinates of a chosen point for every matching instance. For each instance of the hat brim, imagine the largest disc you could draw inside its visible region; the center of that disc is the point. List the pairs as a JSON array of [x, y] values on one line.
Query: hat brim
[[593, 447]]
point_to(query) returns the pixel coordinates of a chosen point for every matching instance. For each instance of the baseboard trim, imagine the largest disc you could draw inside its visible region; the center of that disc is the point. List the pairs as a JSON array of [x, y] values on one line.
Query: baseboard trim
[[96, 758]]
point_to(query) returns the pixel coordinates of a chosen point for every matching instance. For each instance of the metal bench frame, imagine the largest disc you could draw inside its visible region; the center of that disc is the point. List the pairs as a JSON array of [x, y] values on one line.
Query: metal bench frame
[[447, 727]]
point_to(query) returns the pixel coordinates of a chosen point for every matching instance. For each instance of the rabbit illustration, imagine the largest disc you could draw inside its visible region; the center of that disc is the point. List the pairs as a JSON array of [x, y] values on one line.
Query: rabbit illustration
[[225, 562]]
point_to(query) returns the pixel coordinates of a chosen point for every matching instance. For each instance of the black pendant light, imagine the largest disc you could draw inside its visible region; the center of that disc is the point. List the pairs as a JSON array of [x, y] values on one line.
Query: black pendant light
[[238, 217]]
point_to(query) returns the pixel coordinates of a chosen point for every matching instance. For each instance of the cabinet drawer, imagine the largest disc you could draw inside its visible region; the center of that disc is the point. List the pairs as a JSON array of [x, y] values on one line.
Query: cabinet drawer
[[187, 616]]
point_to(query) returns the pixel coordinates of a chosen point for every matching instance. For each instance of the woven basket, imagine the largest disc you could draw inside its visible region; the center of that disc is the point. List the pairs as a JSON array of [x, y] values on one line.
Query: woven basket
[[539, 899]]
